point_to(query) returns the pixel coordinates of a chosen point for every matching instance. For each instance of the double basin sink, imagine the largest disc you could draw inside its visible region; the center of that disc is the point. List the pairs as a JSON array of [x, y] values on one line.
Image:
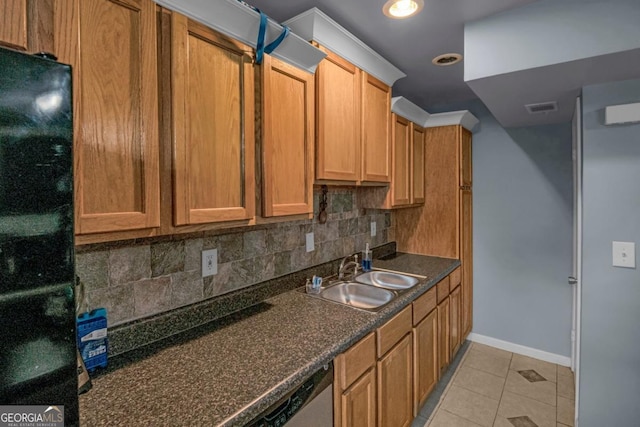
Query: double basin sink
[[368, 291]]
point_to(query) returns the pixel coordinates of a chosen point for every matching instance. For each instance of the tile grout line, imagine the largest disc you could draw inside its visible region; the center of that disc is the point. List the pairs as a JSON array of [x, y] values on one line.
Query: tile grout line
[[504, 386], [556, 414]]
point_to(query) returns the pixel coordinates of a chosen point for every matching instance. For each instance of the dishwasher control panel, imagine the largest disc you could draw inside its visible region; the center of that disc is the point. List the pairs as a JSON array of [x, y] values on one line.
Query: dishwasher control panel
[[295, 401]]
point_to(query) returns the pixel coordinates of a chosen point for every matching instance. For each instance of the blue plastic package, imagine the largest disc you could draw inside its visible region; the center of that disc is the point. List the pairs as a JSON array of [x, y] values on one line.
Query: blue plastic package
[[92, 338]]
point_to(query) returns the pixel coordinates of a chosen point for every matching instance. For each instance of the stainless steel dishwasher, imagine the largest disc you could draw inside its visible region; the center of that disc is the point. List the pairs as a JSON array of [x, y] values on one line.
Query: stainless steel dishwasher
[[309, 405]]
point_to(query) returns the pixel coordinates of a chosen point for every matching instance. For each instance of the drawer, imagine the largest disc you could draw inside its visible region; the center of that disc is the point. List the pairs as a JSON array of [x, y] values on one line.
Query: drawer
[[393, 331], [356, 361], [423, 305], [456, 276], [442, 289]]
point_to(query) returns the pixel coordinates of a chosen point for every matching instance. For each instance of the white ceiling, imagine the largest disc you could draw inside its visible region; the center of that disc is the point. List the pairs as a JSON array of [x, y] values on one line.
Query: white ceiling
[[409, 44]]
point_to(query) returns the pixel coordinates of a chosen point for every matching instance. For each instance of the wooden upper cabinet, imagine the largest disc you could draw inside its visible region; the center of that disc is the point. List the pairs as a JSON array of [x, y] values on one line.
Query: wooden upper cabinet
[[337, 119], [376, 135], [401, 183], [287, 139], [418, 141], [213, 125], [465, 157], [13, 24], [112, 48]]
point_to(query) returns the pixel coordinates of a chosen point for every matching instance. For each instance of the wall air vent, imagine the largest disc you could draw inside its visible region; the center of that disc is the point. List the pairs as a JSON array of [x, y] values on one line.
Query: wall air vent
[[543, 107]]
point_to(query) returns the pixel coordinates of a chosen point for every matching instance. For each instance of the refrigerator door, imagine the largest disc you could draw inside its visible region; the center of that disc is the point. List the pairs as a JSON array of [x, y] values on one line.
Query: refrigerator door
[[37, 308]]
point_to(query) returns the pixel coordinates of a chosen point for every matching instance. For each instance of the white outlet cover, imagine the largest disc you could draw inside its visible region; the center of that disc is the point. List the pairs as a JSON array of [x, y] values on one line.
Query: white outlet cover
[[209, 262], [310, 242], [624, 254], [373, 229]]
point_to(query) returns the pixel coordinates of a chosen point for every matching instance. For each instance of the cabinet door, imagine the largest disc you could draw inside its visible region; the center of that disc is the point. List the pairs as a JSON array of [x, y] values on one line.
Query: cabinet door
[[213, 125], [395, 385], [425, 359], [112, 48], [465, 158], [454, 321], [443, 335], [288, 117], [338, 119], [401, 185], [376, 132], [466, 258], [358, 403], [418, 141], [13, 24]]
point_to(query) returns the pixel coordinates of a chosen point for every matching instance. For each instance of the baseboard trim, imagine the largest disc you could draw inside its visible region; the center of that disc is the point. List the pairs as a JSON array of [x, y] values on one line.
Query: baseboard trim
[[520, 349]]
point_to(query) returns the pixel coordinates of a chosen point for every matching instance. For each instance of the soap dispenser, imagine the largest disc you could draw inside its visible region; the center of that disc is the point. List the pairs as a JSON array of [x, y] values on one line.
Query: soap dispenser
[[366, 259]]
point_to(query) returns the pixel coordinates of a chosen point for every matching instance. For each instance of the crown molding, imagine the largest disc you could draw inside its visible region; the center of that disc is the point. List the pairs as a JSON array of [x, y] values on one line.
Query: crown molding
[[410, 111], [315, 25], [463, 118], [234, 19]]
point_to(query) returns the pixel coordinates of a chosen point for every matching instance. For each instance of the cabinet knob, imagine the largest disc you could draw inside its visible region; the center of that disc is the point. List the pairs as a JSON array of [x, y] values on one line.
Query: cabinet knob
[[572, 280]]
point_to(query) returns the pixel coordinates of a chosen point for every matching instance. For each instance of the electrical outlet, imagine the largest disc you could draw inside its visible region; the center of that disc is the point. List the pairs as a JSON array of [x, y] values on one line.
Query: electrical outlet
[[209, 262], [373, 229], [310, 242], [624, 254]]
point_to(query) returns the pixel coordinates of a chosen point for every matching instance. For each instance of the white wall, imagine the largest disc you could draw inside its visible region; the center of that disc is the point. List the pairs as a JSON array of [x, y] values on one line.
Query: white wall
[[522, 225], [549, 32], [610, 346]]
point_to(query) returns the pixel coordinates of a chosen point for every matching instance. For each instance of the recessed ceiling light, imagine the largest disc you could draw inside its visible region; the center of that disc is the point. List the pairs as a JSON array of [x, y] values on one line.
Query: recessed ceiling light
[[398, 9], [447, 59]]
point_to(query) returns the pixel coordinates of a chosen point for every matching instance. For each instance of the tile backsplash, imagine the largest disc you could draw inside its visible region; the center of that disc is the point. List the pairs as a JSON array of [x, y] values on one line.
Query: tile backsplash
[[136, 279]]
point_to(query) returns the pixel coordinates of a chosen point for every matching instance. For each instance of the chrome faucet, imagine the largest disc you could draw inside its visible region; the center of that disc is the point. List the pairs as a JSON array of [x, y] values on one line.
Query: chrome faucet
[[345, 264]]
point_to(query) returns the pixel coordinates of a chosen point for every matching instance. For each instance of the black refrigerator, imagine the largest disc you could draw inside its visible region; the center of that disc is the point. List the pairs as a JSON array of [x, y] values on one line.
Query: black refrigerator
[[37, 307]]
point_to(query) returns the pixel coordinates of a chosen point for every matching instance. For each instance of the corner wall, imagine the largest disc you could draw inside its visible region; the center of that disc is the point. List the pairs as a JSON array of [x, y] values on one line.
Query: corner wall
[[522, 232], [610, 345]]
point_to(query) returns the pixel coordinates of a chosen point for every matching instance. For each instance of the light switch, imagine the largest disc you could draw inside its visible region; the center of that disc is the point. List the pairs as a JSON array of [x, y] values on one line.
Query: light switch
[[310, 243], [624, 254], [373, 229]]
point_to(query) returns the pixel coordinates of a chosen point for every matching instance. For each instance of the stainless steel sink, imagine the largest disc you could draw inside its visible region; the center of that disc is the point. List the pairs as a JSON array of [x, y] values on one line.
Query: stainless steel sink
[[387, 280], [358, 295]]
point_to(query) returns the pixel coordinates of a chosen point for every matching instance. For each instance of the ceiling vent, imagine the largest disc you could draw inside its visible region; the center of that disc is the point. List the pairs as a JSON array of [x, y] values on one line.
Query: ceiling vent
[[543, 107]]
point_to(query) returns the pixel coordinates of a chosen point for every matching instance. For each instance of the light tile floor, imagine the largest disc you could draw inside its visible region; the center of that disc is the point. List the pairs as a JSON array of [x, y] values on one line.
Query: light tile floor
[[495, 388]]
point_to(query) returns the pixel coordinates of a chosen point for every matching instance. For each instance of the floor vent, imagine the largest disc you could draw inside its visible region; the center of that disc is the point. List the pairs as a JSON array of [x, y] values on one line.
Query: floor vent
[[543, 107]]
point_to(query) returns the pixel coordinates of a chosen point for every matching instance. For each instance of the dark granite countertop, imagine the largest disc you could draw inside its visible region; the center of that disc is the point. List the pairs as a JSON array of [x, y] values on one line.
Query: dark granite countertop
[[230, 370]]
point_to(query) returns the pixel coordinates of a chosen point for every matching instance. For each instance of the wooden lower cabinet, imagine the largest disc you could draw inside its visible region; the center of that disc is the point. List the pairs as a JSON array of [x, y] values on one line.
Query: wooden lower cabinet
[[443, 335], [358, 403], [466, 212], [386, 377], [395, 379], [454, 320], [425, 359]]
